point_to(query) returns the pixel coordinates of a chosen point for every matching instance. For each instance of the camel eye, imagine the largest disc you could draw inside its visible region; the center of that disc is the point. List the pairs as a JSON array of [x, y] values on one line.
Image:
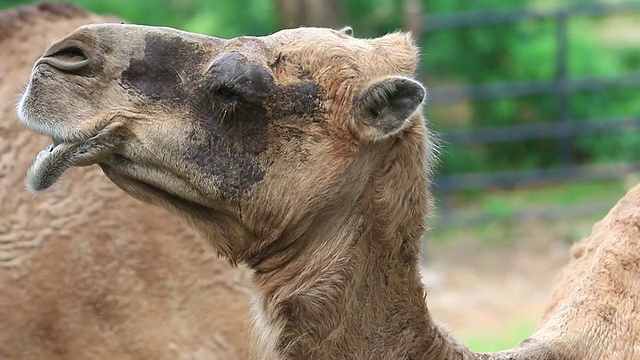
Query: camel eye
[[226, 94]]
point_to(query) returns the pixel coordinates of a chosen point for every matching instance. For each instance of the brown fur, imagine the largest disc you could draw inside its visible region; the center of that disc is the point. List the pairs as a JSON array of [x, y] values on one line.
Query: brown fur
[[330, 211], [86, 272], [594, 312], [288, 154]]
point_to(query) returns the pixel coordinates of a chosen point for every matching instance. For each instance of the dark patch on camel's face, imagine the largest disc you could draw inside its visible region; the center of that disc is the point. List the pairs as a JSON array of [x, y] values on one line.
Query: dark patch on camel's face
[[222, 141], [159, 74], [227, 101], [304, 101]]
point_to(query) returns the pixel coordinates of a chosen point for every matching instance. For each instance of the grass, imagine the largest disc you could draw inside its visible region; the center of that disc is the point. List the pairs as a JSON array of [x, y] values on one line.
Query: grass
[[494, 216], [503, 339], [557, 194]]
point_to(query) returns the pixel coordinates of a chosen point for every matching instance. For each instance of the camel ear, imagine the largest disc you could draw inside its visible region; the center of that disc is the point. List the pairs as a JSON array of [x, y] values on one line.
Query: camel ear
[[384, 107], [347, 30]]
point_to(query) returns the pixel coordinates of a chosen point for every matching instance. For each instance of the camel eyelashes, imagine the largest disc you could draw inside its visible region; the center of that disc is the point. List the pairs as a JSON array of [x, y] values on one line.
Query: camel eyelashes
[[226, 93], [226, 96]]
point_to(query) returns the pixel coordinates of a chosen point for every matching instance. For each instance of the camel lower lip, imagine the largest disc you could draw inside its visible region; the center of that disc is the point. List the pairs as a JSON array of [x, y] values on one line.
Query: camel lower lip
[[48, 166], [53, 161]]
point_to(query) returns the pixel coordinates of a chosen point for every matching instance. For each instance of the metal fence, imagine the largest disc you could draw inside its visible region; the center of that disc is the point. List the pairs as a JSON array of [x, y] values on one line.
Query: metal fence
[[563, 129]]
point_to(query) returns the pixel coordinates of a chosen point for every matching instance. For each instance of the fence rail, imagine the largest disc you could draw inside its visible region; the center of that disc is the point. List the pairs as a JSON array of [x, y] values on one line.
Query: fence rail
[[505, 179], [487, 18], [537, 131], [563, 128], [530, 88]]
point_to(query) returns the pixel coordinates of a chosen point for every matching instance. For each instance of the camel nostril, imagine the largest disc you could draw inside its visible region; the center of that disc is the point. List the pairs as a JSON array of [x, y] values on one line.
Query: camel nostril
[[67, 56], [71, 54]]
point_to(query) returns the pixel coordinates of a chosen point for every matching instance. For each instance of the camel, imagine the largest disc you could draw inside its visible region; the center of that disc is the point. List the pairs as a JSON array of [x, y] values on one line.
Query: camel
[[594, 309], [593, 312], [86, 272], [305, 155]]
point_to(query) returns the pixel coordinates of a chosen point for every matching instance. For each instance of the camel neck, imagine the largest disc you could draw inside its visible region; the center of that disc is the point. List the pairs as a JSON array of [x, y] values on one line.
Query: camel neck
[[349, 294], [347, 284]]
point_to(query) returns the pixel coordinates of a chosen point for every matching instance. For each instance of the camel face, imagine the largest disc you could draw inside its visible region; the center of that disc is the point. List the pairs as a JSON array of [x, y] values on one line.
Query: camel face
[[247, 138], [103, 81]]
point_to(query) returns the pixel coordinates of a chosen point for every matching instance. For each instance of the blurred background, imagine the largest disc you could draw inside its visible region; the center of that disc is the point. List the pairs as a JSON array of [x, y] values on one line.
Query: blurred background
[[537, 109]]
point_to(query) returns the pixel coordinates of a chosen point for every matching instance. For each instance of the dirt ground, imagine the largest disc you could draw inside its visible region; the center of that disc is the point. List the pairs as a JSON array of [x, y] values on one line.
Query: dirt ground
[[483, 289]]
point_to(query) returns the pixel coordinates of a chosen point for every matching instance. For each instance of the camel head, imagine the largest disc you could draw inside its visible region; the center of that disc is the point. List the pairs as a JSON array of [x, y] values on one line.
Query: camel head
[[253, 140]]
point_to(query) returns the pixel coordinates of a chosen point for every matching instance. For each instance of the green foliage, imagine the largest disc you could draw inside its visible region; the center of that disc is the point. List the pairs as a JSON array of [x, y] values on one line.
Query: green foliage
[[520, 52], [222, 18], [374, 17]]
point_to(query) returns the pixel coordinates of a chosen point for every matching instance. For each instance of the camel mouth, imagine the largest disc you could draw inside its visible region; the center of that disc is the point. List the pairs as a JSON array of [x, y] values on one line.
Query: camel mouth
[[61, 155]]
